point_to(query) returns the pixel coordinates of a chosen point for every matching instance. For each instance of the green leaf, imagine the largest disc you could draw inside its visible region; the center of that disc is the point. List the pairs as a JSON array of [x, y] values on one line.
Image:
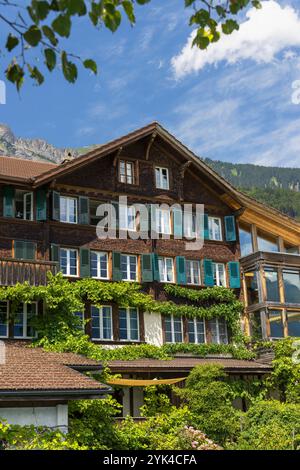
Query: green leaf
[[77, 7], [62, 25], [15, 74], [33, 36], [201, 41], [257, 4], [128, 7], [90, 64], [36, 74], [39, 10], [69, 69], [50, 57], [188, 3], [48, 32], [11, 42], [229, 26]]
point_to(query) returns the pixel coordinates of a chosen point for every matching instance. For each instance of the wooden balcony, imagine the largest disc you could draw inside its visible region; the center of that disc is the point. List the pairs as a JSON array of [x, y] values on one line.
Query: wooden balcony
[[34, 272]]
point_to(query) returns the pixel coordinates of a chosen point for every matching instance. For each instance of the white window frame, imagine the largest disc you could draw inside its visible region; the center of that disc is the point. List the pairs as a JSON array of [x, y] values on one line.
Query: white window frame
[[68, 250], [128, 327], [126, 212], [125, 178], [128, 256], [25, 320], [217, 280], [173, 330], [163, 221], [7, 318], [211, 228], [68, 199], [164, 272], [218, 330], [25, 196], [100, 312], [159, 178], [190, 262], [194, 320], [99, 254]]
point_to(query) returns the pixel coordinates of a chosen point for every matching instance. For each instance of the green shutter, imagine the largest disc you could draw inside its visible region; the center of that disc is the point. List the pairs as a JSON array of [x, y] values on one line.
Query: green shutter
[[41, 204], [230, 231], [145, 223], [234, 274], [55, 254], [155, 267], [55, 205], [208, 272], [177, 222], [84, 210], [85, 270], [116, 266], [8, 201], [147, 271], [24, 250], [206, 227], [180, 270]]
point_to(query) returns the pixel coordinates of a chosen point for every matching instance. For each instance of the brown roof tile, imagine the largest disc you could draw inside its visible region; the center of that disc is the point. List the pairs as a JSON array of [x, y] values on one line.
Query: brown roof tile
[[21, 168], [34, 369]]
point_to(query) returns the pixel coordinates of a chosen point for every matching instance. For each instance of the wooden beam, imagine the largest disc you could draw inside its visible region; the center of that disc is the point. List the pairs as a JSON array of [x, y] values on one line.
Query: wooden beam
[[152, 138]]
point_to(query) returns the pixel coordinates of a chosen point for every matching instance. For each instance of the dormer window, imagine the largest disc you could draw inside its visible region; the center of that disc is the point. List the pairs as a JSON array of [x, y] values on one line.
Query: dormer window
[[126, 172], [162, 178]]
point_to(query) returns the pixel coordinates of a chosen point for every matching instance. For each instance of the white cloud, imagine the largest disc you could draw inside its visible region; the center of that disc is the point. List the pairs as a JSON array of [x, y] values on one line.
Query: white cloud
[[264, 34]]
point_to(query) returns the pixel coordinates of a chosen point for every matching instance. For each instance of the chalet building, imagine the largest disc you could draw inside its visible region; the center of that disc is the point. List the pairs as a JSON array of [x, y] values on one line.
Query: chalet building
[[48, 219]]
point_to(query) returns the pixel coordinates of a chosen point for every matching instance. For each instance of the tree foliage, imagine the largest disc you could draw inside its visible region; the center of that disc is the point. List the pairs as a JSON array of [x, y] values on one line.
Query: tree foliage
[[46, 24]]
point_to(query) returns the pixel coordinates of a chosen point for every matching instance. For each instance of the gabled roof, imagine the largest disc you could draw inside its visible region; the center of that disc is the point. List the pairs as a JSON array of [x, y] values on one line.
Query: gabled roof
[[23, 169], [27, 371]]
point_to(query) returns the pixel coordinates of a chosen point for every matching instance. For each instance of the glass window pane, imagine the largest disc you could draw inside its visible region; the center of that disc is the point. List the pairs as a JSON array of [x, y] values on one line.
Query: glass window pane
[[200, 331], [123, 323], [191, 331], [276, 325], [291, 280], [213, 330], [272, 285], [245, 242], [107, 319], [294, 323], [265, 244], [3, 319]]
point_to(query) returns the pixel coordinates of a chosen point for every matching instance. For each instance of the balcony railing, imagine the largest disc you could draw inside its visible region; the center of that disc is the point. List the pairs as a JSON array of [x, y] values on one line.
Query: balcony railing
[[34, 272]]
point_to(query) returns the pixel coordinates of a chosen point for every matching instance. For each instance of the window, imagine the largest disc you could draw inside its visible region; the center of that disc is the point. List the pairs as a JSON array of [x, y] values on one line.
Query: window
[[166, 269], [23, 205], [218, 330], [129, 267], [276, 325], [80, 316], [163, 221], [193, 272], [266, 244], [68, 209], [127, 218], [196, 329], [219, 274], [253, 294], [24, 315], [126, 172], [245, 241], [271, 276], [129, 324], [291, 281], [101, 323], [293, 319], [173, 329], [3, 319], [215, 228], [99, 265], [162, 178], [68, 261]]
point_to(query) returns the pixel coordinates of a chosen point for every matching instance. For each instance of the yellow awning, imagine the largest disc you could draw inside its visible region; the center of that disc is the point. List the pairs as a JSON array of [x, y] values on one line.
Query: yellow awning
[[143, 383]]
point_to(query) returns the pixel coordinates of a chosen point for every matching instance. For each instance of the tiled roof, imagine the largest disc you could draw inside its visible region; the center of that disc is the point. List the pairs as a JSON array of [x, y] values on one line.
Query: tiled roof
[[186, 364], [21, 168], [33, 369]]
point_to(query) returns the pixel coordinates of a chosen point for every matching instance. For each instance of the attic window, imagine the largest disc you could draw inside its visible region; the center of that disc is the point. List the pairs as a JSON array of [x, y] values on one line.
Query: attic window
[[126, 172]]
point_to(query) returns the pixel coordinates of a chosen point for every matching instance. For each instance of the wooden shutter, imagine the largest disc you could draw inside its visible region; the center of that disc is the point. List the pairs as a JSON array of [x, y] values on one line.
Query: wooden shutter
[[30, 250], [208, 272], [155, 267], [8, 201], [147, 271], [116, 266], [234, 274], [85, 270], [24, 250], [55, 254], [55, 205], [177, 222], [206, 227], [230, 231], [41, 204], [145, 223], [180, 270], [84, 212]]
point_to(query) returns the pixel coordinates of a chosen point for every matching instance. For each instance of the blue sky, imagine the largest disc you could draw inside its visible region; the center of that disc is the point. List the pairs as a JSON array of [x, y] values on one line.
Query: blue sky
[[231, 103]]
